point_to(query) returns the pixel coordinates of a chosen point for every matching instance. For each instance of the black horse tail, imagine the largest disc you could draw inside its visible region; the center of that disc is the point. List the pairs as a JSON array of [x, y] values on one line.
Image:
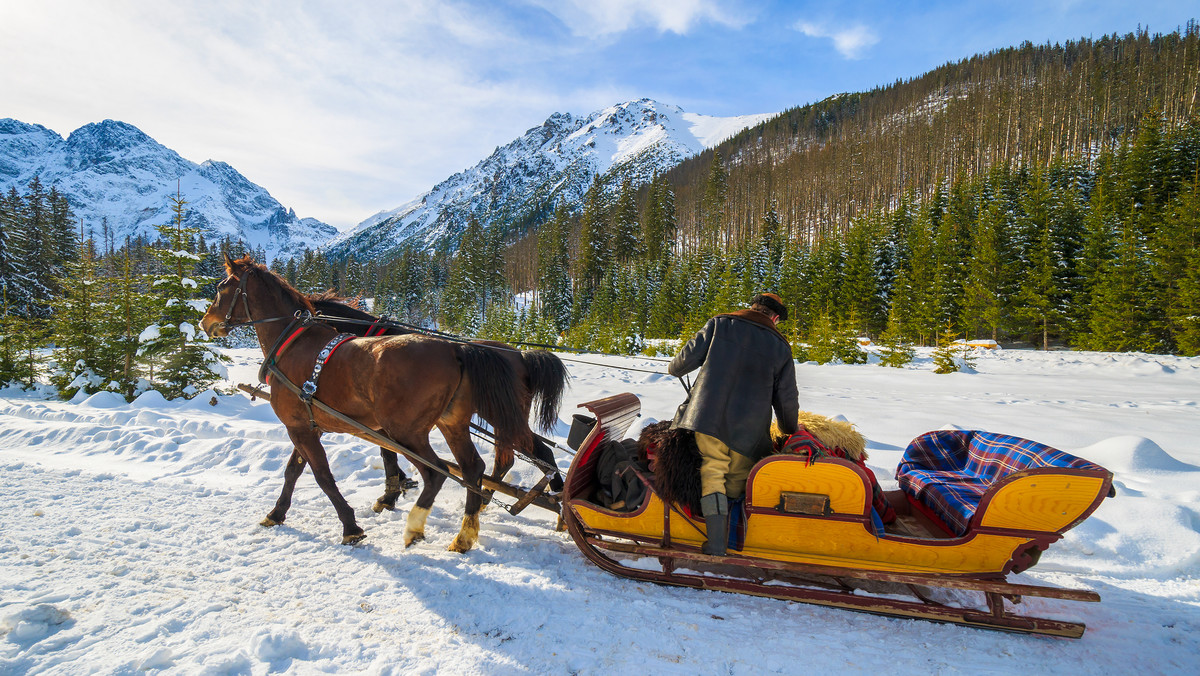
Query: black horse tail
[[547, 382], [497, 393]]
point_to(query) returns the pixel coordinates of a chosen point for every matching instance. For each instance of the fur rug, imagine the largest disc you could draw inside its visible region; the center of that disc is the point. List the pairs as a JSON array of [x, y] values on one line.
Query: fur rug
[[677, 465], [831, 433]]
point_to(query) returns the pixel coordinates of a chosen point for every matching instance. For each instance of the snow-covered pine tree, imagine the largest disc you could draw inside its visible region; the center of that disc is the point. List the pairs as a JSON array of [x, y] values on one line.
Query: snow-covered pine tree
[[461, 307], [183, 361], [129, 311], [74, 323], [595, 249], [625, 228], [554, 280]]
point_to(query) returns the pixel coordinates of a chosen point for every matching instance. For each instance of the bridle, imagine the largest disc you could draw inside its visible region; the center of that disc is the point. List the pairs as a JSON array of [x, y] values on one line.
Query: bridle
[[240, 294]]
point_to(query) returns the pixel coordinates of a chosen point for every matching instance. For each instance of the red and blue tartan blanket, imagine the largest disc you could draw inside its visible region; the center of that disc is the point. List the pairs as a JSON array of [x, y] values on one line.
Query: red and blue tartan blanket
[[949, 471]]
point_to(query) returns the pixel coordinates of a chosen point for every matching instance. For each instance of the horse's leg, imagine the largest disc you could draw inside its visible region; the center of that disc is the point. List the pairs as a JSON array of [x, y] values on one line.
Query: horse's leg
[[414, 529], [396, 483], [473, 467], [308, 443], [295, 468]]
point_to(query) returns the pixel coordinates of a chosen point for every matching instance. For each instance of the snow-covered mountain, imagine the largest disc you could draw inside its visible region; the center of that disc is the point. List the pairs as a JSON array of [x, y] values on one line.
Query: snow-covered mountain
[[113, 170], [549, 164]]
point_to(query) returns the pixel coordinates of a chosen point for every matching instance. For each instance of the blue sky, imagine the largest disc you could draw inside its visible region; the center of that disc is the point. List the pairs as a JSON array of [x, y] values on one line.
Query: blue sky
[[342, 109]]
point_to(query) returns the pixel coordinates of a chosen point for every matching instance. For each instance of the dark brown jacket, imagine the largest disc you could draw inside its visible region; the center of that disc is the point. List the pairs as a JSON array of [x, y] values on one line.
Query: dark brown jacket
[[746, 371]]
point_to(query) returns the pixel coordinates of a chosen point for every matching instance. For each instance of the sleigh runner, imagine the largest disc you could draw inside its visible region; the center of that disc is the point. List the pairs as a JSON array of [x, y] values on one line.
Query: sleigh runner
[[809, 534]]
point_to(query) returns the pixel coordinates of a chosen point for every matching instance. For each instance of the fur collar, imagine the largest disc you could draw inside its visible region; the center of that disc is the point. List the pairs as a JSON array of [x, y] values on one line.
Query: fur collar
[[756, 317]]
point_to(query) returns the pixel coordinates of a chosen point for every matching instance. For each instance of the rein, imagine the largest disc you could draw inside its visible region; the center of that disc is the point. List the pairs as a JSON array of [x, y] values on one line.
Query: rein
[[383, 323]]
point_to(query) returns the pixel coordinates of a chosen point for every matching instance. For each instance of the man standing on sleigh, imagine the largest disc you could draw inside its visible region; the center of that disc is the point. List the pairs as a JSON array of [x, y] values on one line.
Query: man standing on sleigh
[[746, 371]]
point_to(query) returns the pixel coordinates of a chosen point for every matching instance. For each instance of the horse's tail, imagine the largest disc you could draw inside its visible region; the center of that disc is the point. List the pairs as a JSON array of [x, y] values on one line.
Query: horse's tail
[[547, 382], [497, 394]]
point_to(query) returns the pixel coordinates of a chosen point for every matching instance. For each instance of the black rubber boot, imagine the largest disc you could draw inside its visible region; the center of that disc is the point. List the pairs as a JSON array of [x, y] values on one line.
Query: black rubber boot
[[715, 508]]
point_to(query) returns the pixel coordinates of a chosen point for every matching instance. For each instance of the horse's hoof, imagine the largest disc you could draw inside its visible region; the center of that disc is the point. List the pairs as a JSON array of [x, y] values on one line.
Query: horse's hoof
[[411, 539], [353, 539], [380, 505], [467, 536], [268, 522]]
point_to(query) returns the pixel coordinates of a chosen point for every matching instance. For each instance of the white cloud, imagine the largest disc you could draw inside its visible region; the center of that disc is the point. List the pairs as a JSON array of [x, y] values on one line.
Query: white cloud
[[850, 42], [603, 18]]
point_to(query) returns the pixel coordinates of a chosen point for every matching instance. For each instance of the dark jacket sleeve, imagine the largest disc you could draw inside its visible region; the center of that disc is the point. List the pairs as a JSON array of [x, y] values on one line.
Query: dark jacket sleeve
[[692, 356], [786, 399]]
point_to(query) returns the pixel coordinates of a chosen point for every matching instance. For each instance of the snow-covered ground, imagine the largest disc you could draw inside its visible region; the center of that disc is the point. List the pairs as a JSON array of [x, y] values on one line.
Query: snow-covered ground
[[130, 542]]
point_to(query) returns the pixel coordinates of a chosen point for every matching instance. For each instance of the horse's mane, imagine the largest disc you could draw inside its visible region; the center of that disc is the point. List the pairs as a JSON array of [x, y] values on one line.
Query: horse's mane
[[246, 264], [329, 303]]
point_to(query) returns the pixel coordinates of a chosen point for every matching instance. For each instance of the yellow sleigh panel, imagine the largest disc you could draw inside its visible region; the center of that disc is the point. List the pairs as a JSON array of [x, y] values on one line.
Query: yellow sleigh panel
[[1043, 500], [846, 487]]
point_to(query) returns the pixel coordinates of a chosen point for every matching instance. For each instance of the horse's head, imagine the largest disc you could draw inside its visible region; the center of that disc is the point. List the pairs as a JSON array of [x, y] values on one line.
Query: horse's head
[[226, 311], [251, 285]]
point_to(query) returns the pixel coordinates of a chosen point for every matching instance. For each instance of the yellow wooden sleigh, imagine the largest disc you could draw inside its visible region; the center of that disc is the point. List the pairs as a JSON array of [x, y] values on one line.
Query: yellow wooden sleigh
[[809, 537]]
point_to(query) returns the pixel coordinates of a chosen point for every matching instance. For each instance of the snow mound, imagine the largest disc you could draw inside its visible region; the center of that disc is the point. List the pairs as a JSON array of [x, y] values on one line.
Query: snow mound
[[273, 646], [31, 624], [104, 400], [1133, 454]]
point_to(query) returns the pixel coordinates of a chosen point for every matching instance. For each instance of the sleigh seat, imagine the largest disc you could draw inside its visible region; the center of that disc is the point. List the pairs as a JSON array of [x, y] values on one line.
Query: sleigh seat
[[965, 480]]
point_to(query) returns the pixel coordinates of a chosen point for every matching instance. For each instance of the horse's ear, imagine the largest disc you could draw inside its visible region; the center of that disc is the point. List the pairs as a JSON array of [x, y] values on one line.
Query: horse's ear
[[228, 263]]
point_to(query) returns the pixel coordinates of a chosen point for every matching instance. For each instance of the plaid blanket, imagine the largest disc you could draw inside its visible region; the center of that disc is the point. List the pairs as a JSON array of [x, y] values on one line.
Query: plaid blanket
[[950, 470]]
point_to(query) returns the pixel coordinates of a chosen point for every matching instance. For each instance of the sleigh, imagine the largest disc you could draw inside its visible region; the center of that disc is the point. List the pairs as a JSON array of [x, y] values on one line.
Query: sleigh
[[810, 535]]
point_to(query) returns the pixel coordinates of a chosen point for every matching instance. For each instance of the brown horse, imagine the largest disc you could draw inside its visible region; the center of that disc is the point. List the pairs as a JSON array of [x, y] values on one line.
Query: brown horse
[[403, 386], [543, 373]]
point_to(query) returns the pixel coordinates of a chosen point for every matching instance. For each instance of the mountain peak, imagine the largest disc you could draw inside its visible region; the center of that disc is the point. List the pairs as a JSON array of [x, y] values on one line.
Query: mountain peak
[[551, 164], [113, 171], [110, 134]]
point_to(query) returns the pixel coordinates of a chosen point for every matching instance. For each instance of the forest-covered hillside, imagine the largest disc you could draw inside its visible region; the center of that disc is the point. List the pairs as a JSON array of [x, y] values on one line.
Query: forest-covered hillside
[[1043, 193]]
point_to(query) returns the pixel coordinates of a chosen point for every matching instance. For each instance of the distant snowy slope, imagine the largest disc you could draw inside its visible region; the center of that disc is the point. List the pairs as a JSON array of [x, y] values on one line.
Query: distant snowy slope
[[112, 170], [552, 163]]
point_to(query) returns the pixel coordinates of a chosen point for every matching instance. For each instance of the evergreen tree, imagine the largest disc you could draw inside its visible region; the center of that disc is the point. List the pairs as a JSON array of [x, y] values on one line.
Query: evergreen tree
[[625, 227], [182, 362], [1040, 297], [595, 249], [659, 222], [712, 206], [984, 297], [77, 342]]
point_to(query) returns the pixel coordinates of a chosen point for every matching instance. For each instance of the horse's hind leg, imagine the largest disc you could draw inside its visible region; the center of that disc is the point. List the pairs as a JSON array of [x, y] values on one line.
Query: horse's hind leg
[[473, 468], [308, 443], [396, 483], [295, 468]]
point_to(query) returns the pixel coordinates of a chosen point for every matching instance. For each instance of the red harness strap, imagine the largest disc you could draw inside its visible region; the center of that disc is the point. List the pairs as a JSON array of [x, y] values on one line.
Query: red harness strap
[[282, 346], [376, 330]]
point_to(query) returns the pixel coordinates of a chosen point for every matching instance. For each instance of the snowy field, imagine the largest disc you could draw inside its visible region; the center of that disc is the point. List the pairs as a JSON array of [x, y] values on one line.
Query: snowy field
[[130, 542]]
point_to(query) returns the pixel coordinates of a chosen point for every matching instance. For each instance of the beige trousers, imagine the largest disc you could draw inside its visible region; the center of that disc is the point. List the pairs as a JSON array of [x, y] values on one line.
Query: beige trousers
[[722, 470]]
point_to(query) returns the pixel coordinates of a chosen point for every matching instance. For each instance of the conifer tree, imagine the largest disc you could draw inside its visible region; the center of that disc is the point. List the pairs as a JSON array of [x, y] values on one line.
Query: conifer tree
[[984, 299], [659, 222], [1039, 297], [76, 338], [712, 206], [595, 249], [183, 362], [625, 227]]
